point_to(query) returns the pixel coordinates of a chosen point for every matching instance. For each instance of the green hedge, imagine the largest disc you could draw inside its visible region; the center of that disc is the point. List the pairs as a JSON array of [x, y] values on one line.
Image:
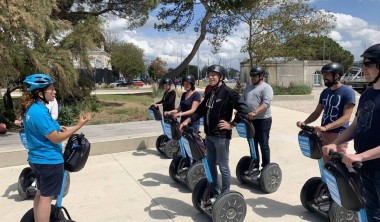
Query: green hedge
[[292, 89]]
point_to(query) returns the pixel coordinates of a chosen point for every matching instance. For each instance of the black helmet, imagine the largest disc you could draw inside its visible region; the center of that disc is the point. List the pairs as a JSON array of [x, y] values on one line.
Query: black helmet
[[218, 69], [372, 53], [167, 81], [188, 78], [333, 68], [257, 71]]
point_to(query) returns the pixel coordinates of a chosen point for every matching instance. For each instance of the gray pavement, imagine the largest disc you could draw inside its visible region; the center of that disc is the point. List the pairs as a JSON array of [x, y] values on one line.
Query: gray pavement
[[129, 181]]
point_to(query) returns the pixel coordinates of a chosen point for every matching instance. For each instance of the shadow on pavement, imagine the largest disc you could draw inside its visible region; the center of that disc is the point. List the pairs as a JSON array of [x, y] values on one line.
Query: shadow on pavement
[[269, 208], [146, 152], [173, 208], [155, 179], [13, 189]]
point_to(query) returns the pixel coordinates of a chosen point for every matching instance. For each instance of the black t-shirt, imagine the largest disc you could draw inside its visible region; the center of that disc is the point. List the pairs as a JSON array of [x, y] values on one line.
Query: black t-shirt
[[367, 131], [168, 100]]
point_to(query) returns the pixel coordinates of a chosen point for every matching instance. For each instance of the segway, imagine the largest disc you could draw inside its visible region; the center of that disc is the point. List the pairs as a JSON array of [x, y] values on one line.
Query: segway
[[228, 206], [269, 177], [27, 185], [346, 190], [75, 155], [315, 195], [165, 144], [183, 168]]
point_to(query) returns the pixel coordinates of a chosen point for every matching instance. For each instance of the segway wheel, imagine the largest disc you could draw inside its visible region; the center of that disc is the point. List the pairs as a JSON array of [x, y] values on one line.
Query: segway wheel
[[242, 166], [270, 179], [55, 215], [308, 191], [24, 184], [161, 142], [195, 174], [229, 206], [176, 164], [171, 148], [198, 192], [338, 213]]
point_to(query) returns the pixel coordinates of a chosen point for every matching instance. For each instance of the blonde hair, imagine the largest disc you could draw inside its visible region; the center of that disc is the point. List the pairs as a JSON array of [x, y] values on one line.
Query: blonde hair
[[27, 99]]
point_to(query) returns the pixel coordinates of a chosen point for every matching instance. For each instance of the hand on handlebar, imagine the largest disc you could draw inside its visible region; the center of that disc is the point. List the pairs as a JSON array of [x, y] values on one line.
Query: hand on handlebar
[[351, 159], [300, 123], [326, 149]]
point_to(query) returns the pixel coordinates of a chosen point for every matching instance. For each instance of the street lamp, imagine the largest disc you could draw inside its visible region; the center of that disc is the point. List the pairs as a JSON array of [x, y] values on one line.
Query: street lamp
[[196, 29]]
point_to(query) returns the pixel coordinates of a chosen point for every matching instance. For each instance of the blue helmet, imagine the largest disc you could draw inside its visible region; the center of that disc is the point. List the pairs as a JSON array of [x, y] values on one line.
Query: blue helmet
[[38, 81]]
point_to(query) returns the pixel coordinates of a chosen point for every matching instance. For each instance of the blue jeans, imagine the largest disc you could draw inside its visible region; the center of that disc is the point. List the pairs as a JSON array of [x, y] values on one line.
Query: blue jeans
[[371, 182], [218, 152], [262, 129]]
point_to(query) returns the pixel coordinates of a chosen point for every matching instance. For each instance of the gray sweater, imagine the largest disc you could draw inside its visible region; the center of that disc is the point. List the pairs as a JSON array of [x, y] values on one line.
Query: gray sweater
[[256, 95]]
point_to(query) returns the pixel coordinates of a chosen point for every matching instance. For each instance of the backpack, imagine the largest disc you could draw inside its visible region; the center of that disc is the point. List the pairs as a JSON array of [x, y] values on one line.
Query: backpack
[[76, 152]]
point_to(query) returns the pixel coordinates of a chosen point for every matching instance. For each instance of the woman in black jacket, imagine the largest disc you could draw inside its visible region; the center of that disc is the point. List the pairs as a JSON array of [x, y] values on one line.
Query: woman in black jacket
[[168, 99]]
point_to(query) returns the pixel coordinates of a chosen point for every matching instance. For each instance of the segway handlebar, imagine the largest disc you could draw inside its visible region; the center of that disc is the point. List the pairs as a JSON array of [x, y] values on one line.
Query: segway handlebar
[[339, 156], [307, 128]]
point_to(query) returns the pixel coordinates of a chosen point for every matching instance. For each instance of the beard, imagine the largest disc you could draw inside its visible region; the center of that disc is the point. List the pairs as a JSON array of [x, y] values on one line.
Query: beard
[[329, 83]]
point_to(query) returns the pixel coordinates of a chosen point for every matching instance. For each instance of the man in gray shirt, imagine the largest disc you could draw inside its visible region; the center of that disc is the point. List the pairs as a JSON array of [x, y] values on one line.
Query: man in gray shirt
[[258, 97]]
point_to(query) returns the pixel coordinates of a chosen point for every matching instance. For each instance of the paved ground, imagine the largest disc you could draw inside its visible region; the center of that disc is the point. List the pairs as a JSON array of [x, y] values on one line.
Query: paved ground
[[135, 185]]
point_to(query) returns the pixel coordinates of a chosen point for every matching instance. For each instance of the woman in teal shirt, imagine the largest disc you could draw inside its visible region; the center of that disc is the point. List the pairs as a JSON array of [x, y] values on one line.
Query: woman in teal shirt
[[44, 137]]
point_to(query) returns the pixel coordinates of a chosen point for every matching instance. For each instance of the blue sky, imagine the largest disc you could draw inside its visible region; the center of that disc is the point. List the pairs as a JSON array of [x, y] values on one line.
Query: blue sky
[[358, 27]]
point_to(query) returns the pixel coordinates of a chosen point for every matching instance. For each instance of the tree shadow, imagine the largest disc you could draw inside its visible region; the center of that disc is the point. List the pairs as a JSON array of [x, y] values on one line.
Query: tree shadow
[[269, 208], [155, 179], [162, 208], [12, 193]]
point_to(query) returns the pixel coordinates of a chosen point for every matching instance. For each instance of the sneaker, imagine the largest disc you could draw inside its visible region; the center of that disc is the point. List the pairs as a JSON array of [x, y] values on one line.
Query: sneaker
[[254, 171]]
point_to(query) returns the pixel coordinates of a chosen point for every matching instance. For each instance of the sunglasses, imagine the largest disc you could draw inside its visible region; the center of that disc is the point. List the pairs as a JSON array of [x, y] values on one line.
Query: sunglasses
[[368, 64]]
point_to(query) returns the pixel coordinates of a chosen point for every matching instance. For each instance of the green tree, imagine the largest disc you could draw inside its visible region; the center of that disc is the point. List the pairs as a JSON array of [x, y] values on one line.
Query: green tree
[[218, 19], [304, 47], [271, 22], [128, 59], [157, 68]]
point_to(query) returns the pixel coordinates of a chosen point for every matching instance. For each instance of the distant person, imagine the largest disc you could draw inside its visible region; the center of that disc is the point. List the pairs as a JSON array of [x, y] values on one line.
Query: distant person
[[365, 129], [189, 102], [217, 108], [258, 95], [337, 103], [168, 99]]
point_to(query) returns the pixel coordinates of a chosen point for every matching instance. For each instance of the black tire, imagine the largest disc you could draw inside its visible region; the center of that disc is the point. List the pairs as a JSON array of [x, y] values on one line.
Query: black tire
[[270, 179], [197, 194], [25, 180], [338, 213], [308, 190], [29, 215], [161, 142], [176, 164], [229, 206], [241, 167], [195, 174], [171, 148]]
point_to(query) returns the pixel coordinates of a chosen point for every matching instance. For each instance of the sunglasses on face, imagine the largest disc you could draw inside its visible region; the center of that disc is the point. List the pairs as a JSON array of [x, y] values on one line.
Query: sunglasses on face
[[368, 64]]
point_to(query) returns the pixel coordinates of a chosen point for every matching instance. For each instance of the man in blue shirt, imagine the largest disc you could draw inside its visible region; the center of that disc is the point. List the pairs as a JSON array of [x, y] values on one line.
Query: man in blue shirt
[[337, 103]]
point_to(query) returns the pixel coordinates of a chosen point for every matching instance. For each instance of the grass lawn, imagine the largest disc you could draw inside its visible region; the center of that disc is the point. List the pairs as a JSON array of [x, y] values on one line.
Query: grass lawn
[[122, 108]]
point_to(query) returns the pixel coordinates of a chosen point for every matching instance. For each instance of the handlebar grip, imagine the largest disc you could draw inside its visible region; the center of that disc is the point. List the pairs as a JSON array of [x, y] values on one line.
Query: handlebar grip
[[357, 165]]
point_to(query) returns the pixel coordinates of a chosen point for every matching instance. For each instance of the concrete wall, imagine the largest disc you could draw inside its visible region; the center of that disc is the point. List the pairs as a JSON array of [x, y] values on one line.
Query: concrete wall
[[282, 73]]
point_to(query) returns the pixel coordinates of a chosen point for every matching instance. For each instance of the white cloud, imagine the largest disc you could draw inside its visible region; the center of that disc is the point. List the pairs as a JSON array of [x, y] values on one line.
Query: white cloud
[[354, 34]]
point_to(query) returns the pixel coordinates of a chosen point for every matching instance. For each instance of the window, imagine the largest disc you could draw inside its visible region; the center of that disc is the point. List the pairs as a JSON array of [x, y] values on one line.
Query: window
[[317, 78]]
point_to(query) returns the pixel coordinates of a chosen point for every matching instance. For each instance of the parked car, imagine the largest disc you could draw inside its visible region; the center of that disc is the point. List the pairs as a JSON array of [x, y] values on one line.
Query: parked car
[[138, 83], [117, 83]]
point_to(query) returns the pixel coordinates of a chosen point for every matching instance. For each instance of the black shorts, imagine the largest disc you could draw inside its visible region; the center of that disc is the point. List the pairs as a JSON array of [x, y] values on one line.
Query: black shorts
[[49, 178]]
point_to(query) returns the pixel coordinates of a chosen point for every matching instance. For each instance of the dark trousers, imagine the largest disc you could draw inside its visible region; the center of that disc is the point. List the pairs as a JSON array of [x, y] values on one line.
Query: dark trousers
[[262, 129]]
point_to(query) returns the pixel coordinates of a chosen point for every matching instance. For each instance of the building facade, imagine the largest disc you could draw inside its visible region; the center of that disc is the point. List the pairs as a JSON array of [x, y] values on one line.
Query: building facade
[[282, 73]]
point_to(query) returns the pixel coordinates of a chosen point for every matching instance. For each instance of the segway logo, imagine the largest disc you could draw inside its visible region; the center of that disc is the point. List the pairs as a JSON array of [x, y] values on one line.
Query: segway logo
[[304, 144], [332, 186], [242, 131]]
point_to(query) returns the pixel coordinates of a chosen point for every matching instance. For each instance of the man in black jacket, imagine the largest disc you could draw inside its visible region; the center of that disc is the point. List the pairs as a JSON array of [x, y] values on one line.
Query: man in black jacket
[[217, 108]]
